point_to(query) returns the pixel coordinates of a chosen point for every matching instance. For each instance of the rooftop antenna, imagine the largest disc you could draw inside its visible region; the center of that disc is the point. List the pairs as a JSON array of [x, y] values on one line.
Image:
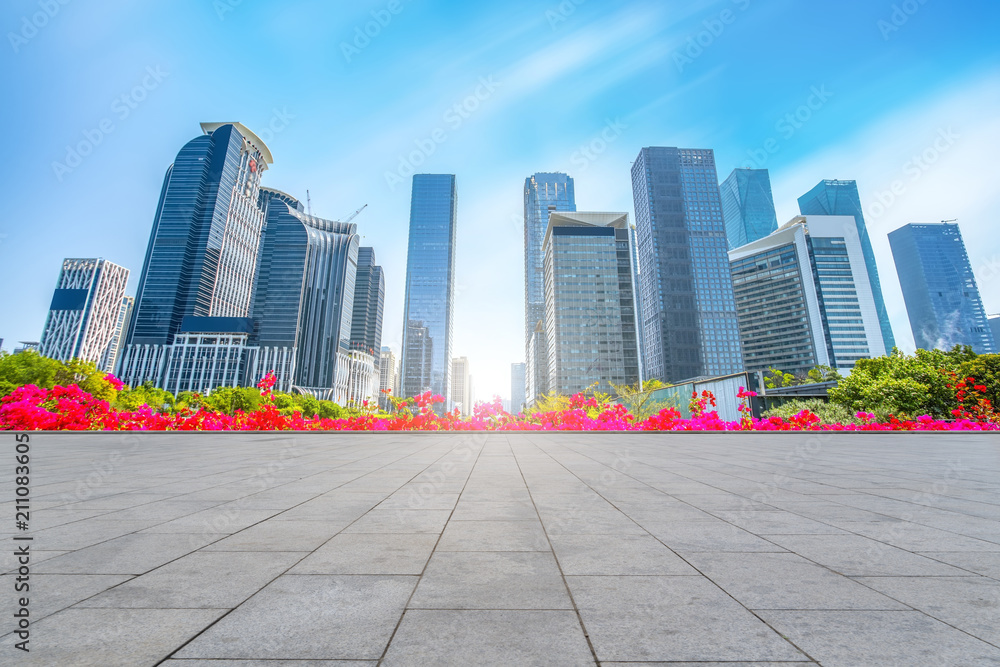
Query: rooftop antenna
[[309, 203], [952, 220]]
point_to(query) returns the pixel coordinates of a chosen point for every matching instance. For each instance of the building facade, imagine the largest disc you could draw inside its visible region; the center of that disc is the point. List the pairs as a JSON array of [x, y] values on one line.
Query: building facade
[[939, 288], [804, 298], [428, 315], [544, 193], [305, 302], [201, 259], [369, 302], [461, 385], [388, 377], [834, 197], [747, 206], [689, 323], [121, 329], [517, 402], [85, 313], [590, 319]]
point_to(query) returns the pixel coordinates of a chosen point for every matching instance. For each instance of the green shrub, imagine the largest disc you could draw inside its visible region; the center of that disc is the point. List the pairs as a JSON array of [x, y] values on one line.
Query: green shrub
[[829, 413]]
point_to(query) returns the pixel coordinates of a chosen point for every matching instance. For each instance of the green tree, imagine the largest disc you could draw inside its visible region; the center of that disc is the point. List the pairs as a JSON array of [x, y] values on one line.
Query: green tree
[[639, 399], [29, 367], [131, 400], [88, 377]]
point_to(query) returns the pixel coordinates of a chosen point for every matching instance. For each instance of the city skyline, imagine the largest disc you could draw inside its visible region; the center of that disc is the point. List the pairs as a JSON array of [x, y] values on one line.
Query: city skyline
[[906, 112]]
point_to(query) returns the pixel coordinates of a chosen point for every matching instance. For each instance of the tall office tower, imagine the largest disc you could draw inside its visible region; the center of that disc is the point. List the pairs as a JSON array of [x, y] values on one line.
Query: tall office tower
[[747, 206], [192, 306], [689, 319], [388, 376], [939, 288], [369, 300], [516, 388], [304, 301], [461, 385], [121, 329], [543, 194], [84, 313], [590, 323], [804, 298], [994, 322], [430, 286], [833, 197]]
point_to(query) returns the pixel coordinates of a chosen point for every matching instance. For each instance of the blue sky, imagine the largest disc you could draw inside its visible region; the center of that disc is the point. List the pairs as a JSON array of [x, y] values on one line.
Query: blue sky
[[573, 86]]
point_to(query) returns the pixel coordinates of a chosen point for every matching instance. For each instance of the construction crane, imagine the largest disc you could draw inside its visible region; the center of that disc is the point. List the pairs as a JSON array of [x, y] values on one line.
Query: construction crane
[[355, 214], [947, 221]]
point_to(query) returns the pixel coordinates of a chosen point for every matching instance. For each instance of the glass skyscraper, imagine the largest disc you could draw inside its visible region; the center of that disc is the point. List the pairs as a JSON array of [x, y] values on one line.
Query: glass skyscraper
[[939, 288], [304, 300], [689, 321], [747, 206], [544, 193], [369, 301], [430, 286], [199, 270], [833, 197], [590, 319]]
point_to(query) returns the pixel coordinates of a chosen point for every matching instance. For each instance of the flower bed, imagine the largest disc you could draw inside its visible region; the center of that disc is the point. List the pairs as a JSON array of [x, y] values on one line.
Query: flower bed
[[72, 409]]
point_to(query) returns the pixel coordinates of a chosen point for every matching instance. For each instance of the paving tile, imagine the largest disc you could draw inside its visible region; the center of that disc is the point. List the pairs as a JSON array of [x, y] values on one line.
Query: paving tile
[[698, 536], [474, 510], [917, 537], [49, 593], [986, 563], [971, 604], [762, 522], [82, 534], [491, 580], [213, 522], [617, 555], [671, 618], [129, 554], [310, 617], [204, 579], [400, 521], [880, 639], [109, 637], [280, 536], [370, 553], [494, 536], [856, 556], [270, 663], [414, 499], [486, 638], [786, 581]]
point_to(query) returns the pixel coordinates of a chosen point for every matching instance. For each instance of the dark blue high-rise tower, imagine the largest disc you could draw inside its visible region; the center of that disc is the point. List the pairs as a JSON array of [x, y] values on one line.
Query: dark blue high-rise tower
[[832, 197], [939, 288], [430, 286], [748, 206]]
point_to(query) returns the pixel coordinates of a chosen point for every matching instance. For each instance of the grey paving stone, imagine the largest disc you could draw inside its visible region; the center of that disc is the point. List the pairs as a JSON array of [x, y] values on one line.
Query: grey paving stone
[[491, 580], [270, 663], [82, 534], [671, 618], [400, 521], [371, 553], [617, 555], [213, 522], [856, 556], [204, 579], [716, 536], [986, 563], [967, 603], [704, 664], [489, 638], [474, 510], [9, 562], [493, 536], [310, 617], [130, 554], [880, 639], [917, 537], [778, 522], [414, 499], [49, 593], [786, 581], [109, 637], [280, 536]]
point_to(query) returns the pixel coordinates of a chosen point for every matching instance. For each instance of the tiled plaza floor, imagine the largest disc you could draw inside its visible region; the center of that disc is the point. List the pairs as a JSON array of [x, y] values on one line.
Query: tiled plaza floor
[[272, 550]]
